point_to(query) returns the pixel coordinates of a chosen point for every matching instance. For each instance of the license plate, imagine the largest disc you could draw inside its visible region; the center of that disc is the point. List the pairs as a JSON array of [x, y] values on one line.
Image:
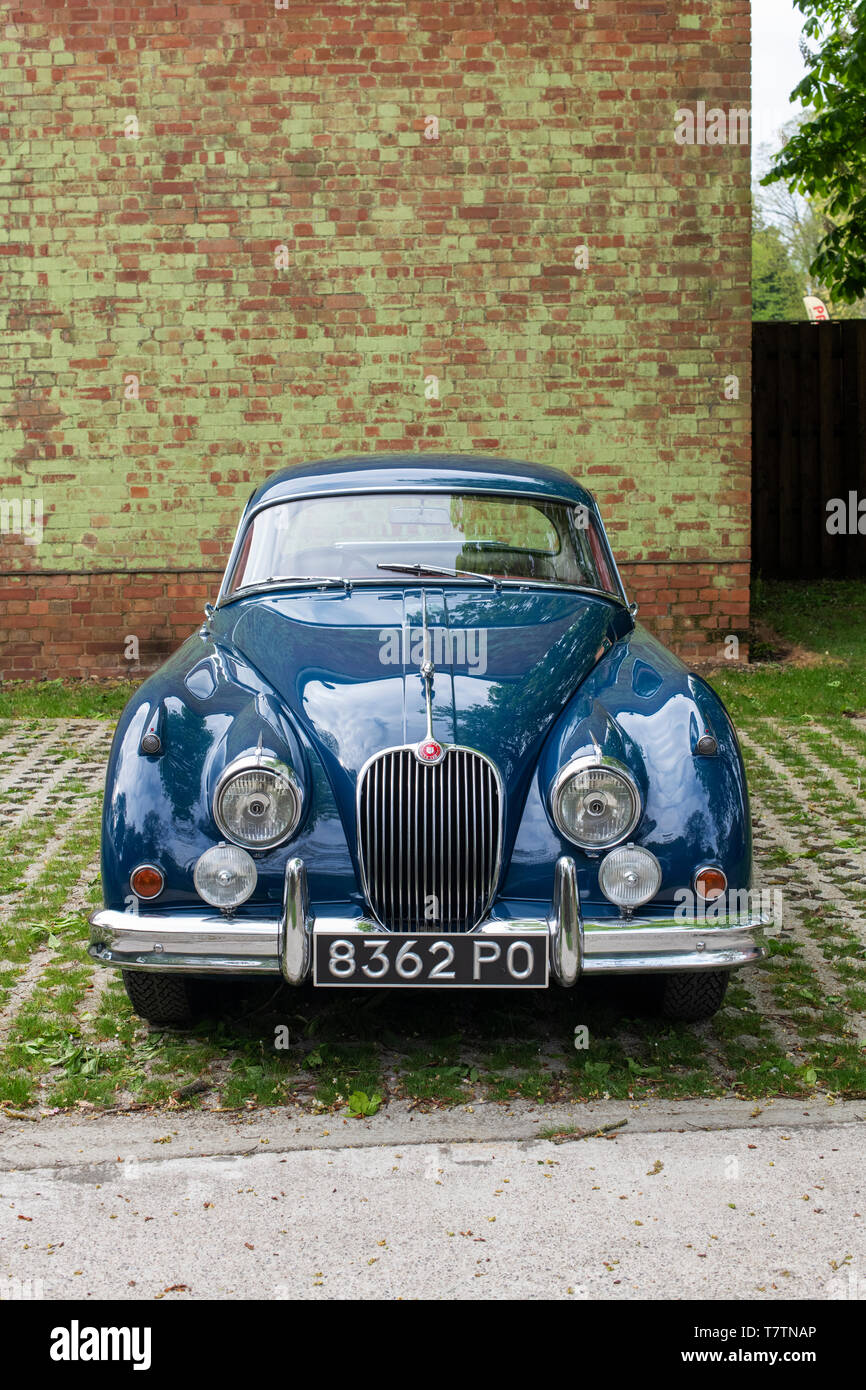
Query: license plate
[[461, 961]]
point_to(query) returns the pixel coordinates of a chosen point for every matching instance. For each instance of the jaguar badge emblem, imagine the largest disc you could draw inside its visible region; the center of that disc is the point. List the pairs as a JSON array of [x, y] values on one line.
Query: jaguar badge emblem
[[429, 751]]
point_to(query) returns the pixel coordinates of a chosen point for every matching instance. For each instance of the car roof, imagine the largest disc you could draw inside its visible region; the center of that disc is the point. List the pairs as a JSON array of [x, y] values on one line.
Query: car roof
[[420, 472]]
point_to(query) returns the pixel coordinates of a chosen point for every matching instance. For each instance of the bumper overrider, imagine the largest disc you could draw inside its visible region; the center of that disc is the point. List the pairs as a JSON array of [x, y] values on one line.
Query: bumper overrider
[[207, 942]]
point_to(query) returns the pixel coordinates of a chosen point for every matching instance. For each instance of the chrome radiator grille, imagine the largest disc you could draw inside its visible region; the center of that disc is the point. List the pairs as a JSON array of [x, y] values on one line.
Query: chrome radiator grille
[[429, 839]]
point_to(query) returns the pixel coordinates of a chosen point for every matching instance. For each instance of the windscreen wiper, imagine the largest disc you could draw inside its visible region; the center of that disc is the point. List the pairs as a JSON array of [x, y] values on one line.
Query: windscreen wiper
[[291, 579], [441, 569], [314, 579]]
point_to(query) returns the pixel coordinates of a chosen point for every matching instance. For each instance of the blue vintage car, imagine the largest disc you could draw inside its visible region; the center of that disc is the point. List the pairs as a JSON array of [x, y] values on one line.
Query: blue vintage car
[[421, 742]]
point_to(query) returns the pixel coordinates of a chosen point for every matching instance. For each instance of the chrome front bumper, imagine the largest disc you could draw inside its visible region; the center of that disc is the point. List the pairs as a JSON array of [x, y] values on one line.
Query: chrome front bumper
[[209, 943]]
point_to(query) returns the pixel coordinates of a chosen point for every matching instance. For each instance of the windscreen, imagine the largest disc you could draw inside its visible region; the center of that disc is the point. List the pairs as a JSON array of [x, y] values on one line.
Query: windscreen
[[348, 537]]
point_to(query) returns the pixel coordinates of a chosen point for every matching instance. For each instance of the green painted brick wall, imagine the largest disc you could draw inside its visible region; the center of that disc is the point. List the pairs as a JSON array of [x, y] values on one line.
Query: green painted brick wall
[[158, 157]]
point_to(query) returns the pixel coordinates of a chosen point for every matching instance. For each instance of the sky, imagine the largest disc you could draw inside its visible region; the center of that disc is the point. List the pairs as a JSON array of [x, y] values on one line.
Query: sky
[[776, 69]]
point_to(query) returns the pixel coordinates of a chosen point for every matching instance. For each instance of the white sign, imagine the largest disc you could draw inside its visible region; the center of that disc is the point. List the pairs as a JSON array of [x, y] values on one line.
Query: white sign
[[816, 309]]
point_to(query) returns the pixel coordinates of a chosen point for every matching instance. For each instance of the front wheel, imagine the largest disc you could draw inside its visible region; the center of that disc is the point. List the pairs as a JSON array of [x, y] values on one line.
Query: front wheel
[[159, 998], [692, 997]]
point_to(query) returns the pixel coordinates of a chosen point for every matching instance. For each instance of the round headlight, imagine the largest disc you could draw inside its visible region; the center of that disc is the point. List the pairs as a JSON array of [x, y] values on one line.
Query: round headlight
[[225, 876], [630, 876], [257, 804], [594, 803]]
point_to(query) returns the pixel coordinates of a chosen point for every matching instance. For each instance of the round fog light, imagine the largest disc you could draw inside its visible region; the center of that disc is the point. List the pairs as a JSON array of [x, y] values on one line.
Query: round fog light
[[225, 876], [630, 876]]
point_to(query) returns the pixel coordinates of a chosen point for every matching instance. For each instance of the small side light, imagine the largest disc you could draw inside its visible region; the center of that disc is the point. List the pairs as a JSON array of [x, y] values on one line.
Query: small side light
[[151, 741], [706, 746], [710, 883], [147, 881]]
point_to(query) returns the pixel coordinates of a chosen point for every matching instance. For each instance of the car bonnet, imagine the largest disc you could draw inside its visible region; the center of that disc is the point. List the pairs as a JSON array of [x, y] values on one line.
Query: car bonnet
[[347, 665]]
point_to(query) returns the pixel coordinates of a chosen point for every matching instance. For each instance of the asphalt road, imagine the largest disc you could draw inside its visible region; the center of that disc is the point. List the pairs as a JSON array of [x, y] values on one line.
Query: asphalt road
[[694, 1199]]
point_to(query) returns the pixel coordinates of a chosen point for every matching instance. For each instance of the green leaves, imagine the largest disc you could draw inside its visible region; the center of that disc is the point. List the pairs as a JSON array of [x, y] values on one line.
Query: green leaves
[[76, 1059], [639, 1069], [776, 292], [826, 158], [360, 1104]]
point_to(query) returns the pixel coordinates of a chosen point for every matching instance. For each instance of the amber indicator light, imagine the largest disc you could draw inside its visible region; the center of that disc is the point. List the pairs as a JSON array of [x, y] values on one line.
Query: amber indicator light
[[147, 881], [710, 883]]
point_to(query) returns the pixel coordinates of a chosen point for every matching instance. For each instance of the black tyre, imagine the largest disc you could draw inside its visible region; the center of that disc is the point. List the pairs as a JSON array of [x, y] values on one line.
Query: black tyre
[[691, 997], [159, 998]]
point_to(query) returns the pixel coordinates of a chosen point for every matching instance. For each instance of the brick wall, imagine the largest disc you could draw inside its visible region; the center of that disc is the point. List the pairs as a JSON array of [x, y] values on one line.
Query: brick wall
[[233, 246]]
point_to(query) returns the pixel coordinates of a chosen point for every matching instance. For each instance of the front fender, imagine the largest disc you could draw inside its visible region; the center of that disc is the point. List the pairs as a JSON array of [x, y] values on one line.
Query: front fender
[[158, 808], [641, 705]]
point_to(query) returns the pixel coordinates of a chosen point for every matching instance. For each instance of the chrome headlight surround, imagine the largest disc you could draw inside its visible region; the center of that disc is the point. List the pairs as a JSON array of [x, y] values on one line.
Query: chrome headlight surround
[[270, 770], [579, 767]]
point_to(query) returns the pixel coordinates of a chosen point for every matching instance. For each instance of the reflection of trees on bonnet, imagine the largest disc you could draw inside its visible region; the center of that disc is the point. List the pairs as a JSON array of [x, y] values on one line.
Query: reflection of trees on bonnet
[[519, 707], [724, 799], [180, 767], [138, 842]]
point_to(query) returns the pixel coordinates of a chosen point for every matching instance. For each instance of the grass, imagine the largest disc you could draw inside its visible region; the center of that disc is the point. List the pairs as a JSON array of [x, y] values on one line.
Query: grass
[[828, 619], [64, 700], [816, 615]]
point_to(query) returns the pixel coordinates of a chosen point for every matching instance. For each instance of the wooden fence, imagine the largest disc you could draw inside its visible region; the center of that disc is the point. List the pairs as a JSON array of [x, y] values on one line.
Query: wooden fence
[[808, 449]]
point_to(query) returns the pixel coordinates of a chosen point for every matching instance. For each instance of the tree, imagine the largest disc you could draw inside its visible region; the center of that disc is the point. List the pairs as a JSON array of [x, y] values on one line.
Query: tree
[[802, 223], [826, 158], [777, 292]]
